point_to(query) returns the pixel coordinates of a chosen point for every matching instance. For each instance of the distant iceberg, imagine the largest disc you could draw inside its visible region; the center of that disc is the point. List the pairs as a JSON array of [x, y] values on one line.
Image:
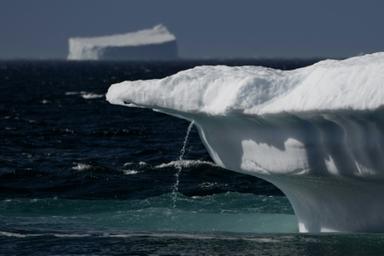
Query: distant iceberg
[[316, 132], [156, 43]]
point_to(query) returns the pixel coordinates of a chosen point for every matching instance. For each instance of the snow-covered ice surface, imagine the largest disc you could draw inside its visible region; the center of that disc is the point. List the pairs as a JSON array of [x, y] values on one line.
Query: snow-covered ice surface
[[314, 132], [157, 42], [351, 84]]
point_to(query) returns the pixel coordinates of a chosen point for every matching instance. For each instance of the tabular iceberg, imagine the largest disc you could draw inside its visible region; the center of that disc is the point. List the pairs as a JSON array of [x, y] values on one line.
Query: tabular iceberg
[[315, 132], [156, 43]]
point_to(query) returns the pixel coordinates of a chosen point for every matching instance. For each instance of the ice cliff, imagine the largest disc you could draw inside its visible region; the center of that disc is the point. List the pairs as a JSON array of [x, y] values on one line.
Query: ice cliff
[[156, 43], [314, 132]]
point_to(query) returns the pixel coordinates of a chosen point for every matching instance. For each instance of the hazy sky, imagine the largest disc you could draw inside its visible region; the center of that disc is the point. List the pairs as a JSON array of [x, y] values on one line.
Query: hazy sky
[[204, 28]]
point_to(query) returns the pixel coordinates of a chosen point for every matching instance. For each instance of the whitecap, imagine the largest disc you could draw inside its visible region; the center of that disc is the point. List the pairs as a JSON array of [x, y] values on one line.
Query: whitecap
[[72, 93], [130, 172], [82, 167], [91, 95], [85, 95], [185, 164], [12, 234]]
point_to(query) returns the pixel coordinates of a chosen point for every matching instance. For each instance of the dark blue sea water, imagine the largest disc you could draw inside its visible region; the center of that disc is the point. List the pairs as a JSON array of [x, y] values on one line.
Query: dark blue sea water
[[79, 176]]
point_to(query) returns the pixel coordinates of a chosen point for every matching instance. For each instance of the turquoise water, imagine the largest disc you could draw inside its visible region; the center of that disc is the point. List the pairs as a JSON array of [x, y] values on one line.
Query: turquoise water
[[222, 224], [227, 212]]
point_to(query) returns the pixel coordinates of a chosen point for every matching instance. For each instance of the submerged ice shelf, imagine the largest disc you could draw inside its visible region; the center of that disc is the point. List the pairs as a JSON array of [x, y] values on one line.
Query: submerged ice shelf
[[314, 132]]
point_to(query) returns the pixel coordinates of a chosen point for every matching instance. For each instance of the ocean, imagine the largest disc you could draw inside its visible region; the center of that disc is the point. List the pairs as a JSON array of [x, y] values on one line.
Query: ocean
[[79, 176]]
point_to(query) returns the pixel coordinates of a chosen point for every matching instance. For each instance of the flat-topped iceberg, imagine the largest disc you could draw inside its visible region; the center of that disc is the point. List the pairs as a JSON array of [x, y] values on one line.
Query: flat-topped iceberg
[[156, 43], [314, 132]]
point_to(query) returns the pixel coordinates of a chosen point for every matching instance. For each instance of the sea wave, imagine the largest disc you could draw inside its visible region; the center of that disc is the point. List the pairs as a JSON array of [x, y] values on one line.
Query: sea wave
[[91, 96], [185, 164], [85, 95], [82, 167]]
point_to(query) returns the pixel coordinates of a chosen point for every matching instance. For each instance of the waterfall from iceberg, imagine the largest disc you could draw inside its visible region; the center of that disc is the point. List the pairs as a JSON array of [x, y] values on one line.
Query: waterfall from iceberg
[[179, 167], [314, 132]]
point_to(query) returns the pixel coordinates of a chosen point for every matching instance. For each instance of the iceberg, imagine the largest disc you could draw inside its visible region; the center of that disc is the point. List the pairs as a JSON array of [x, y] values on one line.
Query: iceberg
[[314, 132], [156, 43]]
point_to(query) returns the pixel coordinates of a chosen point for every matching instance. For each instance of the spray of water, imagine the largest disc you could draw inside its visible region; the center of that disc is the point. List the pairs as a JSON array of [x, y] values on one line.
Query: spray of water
[[179, 166]]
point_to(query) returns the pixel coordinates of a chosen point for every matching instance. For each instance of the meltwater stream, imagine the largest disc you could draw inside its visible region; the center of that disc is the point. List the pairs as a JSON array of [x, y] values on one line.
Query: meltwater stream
[[179, 167]]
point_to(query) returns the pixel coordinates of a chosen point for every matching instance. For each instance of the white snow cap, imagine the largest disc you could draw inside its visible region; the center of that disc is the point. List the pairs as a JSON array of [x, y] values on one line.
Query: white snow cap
[[352, 84]]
